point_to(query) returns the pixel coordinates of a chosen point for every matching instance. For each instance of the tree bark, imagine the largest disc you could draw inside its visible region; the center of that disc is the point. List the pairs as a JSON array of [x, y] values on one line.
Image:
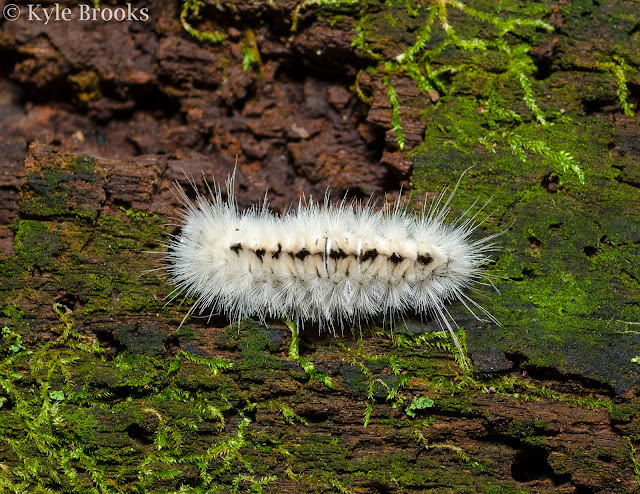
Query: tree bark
[[102, 389]]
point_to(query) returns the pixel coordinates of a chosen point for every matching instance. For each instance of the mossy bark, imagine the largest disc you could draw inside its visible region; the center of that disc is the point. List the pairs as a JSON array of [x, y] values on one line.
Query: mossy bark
[[101, 391]]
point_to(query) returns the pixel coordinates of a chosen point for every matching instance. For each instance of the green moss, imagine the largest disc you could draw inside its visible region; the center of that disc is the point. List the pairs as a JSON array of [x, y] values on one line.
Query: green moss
[[625, 412], [36, 246], [89, 261], [139, 233], [459, 50], [191, 11], [523, 430], [306, 364], [256, 344], [11, 342], [62, 432], [418, 403], [459, 403], [66, 186], [634, 460], [11, 273], [140, 340], [134, 372], [84, 168], [329, 454], [446, 469], [568, 255], [156, 418], [83, 424], [503, 488]]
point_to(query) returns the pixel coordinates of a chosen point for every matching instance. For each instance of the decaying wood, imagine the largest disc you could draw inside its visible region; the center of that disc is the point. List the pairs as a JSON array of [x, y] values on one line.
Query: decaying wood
[[89, 148]]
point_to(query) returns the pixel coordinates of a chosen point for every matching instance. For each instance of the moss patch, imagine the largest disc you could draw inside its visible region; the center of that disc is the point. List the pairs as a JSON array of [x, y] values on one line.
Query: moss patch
[[568, 251]]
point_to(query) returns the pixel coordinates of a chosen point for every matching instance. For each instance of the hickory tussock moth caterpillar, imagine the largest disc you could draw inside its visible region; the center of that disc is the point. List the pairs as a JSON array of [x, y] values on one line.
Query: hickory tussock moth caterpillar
[[324, 262]]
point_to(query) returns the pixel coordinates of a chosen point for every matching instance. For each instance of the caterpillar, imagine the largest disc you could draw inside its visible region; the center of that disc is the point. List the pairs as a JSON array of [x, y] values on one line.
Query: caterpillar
[[325, 263]]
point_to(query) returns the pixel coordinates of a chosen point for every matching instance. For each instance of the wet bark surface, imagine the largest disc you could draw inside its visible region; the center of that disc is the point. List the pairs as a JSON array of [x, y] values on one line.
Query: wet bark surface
[[101, 391]]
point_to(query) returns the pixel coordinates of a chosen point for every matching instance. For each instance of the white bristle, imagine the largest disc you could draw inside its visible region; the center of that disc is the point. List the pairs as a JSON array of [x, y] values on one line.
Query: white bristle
[[324, 263]]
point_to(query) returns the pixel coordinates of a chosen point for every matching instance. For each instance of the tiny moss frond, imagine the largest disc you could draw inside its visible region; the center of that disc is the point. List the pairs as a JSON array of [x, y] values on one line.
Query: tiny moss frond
[[360, 42], [356, 86], [191, 10], [462, 454], [250, 51], [243, 482], [290, 416], [341, 489], [619, 73], [634, 459], [374, 383], [422, 38], [215, 364], [529, 99], [518, 388], [305, 363], [567, 162], [438, 340], [558, 159], [11, 342], [71, 338], [396, 125]]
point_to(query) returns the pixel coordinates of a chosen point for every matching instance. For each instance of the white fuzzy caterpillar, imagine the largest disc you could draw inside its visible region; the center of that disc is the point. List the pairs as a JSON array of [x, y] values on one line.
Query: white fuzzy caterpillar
[[324, 263]]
